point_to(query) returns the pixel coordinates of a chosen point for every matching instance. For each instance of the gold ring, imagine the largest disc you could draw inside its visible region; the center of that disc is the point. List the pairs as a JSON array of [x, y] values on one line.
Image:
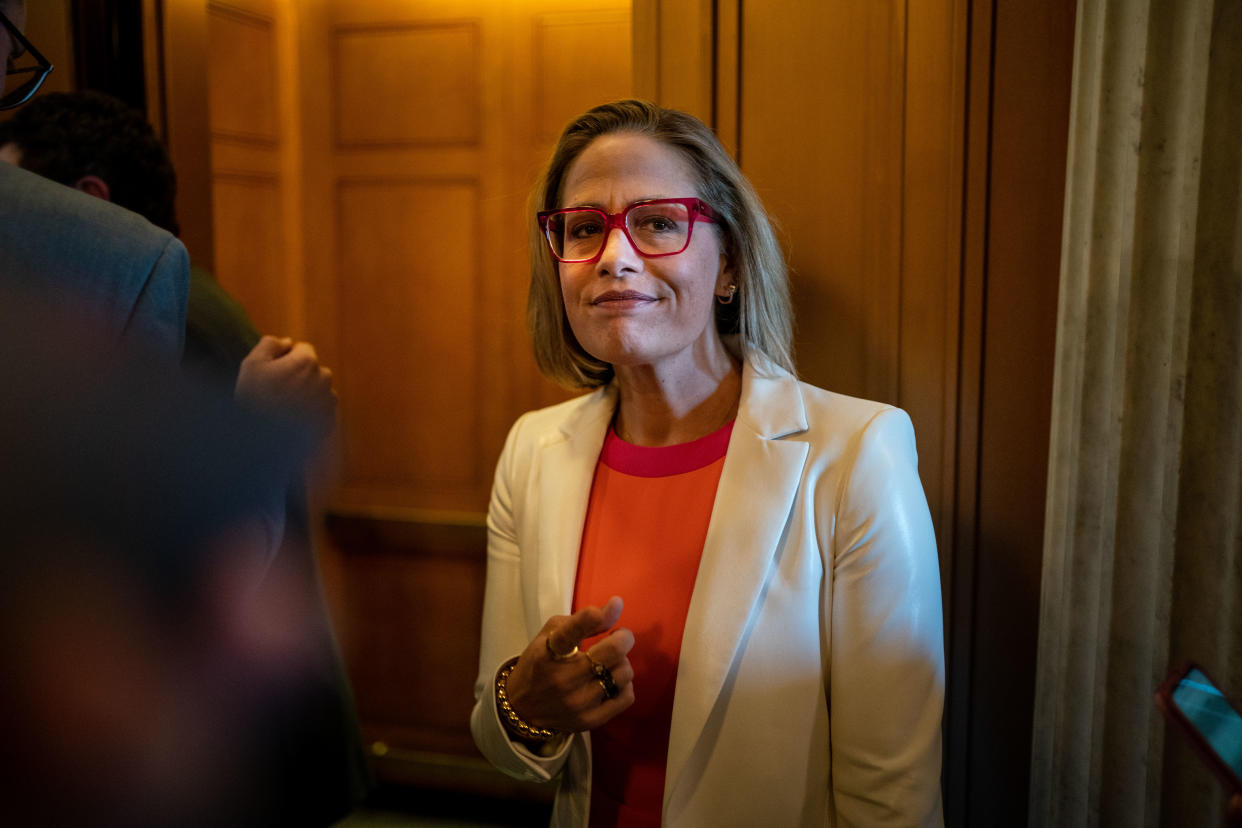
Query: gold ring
[[559, 656]]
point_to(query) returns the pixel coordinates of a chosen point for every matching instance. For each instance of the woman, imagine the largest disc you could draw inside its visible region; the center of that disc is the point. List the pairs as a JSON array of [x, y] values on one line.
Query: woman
[[770, 540]]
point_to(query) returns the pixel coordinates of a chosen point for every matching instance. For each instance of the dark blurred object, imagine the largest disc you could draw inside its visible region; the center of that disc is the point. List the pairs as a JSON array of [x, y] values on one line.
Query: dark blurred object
[[108, 51], [147, 635]]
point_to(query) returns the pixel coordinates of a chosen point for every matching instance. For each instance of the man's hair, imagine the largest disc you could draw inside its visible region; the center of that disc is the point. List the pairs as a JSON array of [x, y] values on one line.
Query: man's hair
[[760, 314], [67, 135]]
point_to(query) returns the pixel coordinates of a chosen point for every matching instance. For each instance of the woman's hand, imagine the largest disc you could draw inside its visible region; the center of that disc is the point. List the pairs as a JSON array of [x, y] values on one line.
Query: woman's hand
[[566, 695]]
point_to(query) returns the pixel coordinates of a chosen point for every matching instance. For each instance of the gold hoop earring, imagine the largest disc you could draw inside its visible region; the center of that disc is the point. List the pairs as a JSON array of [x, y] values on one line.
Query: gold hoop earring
[[729, 299]]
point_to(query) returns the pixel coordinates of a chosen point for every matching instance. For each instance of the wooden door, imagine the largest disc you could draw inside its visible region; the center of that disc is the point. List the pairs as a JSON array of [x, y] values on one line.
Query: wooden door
[[358, 171], [423, 125], [255, 163]]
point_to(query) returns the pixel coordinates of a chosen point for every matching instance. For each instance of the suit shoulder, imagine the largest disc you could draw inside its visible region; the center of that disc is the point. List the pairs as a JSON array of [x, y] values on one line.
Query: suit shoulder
[[840, 426], [69, 222], [852, 413], [542, 423]]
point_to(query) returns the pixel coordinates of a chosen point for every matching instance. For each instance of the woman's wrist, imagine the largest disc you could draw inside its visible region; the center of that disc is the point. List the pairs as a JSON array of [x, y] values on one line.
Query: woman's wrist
[[518, 727]]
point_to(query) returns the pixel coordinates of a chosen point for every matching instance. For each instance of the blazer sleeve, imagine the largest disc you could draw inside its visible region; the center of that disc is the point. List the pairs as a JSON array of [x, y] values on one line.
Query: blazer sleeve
[[504, 632], [886, 676]]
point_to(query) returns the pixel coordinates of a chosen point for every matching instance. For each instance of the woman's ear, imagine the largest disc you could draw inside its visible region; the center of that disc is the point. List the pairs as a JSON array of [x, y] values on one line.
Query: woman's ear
[[726, 281], [95, 186]]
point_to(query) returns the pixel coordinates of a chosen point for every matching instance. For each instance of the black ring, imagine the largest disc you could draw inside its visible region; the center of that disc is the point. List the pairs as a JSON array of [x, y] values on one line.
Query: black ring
[[606, 681]]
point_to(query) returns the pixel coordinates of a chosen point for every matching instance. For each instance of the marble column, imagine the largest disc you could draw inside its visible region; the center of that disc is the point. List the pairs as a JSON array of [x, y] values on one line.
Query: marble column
[[1143, 543]]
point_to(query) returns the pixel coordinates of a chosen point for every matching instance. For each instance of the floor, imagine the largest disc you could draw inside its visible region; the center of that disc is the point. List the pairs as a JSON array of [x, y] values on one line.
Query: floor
[[415, 808]]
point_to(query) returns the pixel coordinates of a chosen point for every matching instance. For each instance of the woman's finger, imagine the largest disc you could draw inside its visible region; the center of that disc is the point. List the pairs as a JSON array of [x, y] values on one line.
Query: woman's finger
[[605, 709], [565, 633], [612, 648]]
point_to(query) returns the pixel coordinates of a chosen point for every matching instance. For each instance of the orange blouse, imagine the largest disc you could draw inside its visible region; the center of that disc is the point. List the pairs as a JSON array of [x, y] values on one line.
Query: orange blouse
[[642, 540]]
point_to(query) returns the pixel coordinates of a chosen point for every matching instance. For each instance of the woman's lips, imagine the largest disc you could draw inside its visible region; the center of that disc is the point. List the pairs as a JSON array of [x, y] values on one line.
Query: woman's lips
[[621, 300]]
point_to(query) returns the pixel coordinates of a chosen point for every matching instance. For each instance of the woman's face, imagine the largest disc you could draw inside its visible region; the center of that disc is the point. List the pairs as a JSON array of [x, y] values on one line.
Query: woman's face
[[625, 309]]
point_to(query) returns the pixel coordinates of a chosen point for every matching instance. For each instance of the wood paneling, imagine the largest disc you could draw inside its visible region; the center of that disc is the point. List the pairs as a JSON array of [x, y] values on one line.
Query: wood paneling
[[256, 209], [409, 291], [249, 245], [187, 123], [421, 135], [413, 587], [933, 160], [369, 164], [407, 84], [675, 54], [834, 183], [1033, 58], [242, 75], [581, 59], [961, 572]]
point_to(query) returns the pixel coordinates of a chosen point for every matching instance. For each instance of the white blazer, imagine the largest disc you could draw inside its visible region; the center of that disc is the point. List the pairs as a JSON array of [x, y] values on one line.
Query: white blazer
[[818, 590]]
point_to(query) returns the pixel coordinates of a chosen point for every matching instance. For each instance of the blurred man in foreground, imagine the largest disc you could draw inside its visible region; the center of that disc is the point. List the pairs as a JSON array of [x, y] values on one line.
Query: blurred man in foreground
[[146, 638], [156, 658], [99, 146]]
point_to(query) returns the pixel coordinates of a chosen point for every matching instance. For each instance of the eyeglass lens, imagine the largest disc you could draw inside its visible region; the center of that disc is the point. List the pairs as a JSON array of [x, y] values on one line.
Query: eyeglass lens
[[654, 229]]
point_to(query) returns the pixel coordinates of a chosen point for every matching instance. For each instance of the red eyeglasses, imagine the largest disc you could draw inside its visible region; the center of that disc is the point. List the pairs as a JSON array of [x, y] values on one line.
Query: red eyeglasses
[[656, 227]]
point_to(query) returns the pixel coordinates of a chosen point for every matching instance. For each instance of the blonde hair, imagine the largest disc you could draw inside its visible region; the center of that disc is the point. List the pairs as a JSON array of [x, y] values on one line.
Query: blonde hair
[[760, 314]]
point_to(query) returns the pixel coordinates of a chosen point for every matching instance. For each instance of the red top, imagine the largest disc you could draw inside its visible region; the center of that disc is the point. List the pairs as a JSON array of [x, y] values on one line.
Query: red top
[[643, 538]]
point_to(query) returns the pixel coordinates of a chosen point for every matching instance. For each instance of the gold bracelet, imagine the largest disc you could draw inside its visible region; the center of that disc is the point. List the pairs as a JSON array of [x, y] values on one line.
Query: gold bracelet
[[514, 722]]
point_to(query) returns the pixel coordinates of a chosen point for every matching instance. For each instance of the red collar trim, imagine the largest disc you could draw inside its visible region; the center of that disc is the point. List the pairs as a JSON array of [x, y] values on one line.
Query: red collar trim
[[664, 461]]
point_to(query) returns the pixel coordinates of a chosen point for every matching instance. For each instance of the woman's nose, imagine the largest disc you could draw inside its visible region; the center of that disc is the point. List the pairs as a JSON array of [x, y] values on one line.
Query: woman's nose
[[619, 255]]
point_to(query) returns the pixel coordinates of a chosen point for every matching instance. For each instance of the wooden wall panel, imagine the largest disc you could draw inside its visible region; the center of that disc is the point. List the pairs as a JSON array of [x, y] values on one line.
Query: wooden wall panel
[[187, 125], [249, 245], [421, 134], [933, 158], [961, 575], [1032, 71], [675, 54], [409, 291], [242, 75], [414, 589], [581, 59], [821, 140], [256, 212], [402, 84]]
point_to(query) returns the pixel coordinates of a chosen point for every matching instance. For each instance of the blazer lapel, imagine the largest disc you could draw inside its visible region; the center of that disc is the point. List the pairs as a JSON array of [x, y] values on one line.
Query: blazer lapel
[[757, 488], [569, 454]]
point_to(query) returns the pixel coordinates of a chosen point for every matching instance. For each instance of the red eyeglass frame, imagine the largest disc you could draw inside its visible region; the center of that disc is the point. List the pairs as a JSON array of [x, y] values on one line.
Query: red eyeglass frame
[[698, 210]]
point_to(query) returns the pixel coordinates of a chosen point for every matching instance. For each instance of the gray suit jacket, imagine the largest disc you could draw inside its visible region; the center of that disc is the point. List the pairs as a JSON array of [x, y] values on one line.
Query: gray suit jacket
[[99, 262]]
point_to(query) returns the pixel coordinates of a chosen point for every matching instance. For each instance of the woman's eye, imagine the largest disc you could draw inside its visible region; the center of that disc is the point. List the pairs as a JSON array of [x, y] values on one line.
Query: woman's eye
[[584, 229], [657, 224]]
